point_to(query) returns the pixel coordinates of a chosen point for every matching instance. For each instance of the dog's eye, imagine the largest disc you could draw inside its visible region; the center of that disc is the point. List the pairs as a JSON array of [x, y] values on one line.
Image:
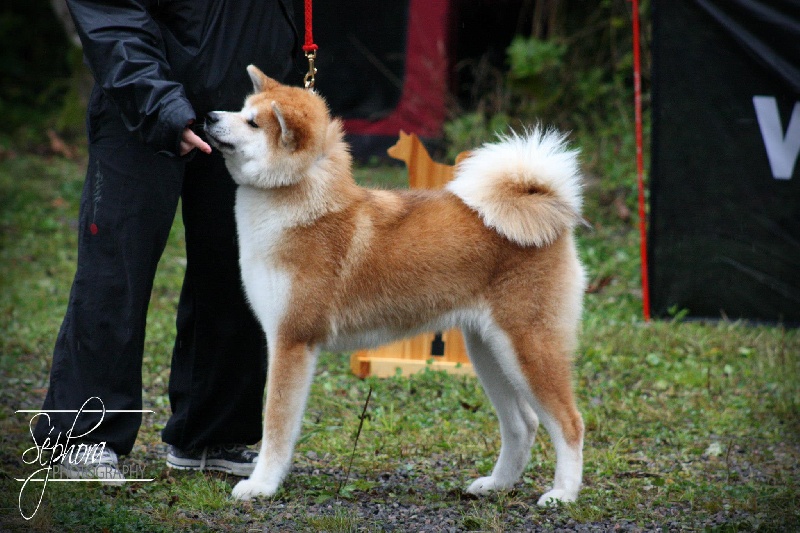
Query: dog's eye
[[252, 123]]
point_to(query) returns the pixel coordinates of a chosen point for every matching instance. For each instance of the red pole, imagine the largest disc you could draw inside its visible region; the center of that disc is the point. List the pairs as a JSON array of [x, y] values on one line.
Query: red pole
[[637, 91]]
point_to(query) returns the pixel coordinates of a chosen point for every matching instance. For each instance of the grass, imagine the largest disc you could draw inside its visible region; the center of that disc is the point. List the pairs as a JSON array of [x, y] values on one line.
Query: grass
[[689, 425]]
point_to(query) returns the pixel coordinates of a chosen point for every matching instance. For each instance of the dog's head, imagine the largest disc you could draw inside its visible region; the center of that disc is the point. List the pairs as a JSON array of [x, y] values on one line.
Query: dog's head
[[279, 133]]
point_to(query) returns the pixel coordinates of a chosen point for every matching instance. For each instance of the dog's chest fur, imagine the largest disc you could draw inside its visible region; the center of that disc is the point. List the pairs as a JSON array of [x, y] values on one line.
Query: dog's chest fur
[[267, 286]]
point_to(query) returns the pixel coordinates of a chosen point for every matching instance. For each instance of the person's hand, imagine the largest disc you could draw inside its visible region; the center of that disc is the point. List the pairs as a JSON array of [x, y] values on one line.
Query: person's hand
[[190, 141]]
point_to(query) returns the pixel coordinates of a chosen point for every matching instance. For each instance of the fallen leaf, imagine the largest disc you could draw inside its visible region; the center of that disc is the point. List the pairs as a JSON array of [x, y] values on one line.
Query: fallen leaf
[[58, 146], [622, 210], [599, 284], [59, 202]]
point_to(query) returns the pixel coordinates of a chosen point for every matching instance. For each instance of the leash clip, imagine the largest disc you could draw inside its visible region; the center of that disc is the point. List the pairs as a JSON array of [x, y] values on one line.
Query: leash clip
[[309, 78]]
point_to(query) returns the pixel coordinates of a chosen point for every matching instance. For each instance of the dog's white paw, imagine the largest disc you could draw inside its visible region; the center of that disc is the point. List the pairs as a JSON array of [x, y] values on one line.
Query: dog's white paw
[[556, 496], [247, 489], [485, 485]]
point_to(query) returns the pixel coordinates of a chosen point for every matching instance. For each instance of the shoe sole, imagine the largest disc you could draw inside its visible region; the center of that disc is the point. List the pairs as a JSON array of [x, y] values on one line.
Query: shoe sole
[[217, 465]]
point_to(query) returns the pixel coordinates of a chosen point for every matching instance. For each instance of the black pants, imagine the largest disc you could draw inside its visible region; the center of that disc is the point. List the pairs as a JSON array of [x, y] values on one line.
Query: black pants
[[219, 359]]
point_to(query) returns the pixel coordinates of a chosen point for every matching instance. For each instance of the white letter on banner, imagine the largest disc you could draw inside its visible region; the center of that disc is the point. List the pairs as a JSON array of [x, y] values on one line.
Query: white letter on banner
[[782, 151]]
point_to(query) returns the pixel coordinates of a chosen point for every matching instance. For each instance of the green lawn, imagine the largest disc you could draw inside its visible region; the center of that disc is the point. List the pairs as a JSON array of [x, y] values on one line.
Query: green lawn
[[689, 425]]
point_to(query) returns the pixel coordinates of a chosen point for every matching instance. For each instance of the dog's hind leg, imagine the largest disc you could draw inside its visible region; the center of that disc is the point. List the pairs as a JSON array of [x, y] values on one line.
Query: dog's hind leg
[[518, 421], [545, 364], [290, 372]]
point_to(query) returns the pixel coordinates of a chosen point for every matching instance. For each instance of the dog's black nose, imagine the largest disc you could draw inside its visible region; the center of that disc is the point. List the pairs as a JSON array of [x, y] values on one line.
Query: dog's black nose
[[212, 117]]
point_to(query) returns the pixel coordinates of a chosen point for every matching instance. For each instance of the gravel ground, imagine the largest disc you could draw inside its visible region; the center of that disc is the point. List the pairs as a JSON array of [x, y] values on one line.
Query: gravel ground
[[400, 504]]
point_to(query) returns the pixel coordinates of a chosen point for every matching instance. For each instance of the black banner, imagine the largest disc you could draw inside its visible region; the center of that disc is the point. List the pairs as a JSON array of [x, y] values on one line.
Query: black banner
[[724, 236]]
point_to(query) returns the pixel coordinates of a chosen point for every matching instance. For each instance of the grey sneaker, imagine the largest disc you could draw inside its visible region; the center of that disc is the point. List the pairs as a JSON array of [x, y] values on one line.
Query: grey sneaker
[[94, 464], [236, 459]]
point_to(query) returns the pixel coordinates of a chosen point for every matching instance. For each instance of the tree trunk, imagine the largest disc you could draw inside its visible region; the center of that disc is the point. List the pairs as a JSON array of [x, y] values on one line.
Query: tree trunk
[[62, 14]]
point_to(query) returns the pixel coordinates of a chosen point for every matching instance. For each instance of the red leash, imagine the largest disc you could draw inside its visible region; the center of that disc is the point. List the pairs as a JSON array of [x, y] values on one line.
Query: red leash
[[310, 48], [637, 91]]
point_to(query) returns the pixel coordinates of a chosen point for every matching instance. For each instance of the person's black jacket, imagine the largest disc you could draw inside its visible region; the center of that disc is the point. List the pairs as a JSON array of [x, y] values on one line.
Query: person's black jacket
[[162, 63]]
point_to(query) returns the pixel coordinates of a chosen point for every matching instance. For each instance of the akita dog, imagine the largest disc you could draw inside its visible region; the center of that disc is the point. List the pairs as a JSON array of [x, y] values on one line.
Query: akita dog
[[329, 265]]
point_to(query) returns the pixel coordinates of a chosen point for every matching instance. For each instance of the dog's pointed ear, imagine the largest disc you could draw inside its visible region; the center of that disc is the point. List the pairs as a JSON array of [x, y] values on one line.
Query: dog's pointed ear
[[261, 82], [287, 135]]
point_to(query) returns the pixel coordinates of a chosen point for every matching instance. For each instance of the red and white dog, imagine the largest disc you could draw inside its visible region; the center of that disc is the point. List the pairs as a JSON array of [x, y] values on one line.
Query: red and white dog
[[329, 265]]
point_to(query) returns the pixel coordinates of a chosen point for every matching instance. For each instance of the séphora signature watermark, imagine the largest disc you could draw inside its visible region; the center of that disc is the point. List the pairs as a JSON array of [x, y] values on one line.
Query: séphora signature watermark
[[57, 451]]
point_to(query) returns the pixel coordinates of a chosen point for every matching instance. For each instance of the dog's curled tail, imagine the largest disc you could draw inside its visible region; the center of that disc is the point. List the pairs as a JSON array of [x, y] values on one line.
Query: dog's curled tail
[[526, 187]]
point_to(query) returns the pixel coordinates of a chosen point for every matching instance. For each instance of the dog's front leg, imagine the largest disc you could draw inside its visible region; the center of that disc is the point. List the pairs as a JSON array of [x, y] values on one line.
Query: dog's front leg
[[291, 367]]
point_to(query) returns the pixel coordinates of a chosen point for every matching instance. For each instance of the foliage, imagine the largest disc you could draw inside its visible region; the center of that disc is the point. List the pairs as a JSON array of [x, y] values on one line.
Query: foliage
[[531, 57], [35, 66], [71, 115], [473, 129], [574, 72]]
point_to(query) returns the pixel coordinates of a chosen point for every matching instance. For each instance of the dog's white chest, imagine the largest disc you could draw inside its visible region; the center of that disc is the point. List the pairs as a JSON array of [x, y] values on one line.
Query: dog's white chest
[[266, 285]]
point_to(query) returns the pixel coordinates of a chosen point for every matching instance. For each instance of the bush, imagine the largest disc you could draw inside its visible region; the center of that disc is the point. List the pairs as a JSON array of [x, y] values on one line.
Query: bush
[[37, 62], [573, 69]]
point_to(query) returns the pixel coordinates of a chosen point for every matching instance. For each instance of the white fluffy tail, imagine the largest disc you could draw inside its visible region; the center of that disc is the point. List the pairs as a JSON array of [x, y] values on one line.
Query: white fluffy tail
[[526, 187]]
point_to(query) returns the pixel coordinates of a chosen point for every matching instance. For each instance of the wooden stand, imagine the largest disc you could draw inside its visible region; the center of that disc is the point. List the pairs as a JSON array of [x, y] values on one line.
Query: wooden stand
[[413, 355]]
